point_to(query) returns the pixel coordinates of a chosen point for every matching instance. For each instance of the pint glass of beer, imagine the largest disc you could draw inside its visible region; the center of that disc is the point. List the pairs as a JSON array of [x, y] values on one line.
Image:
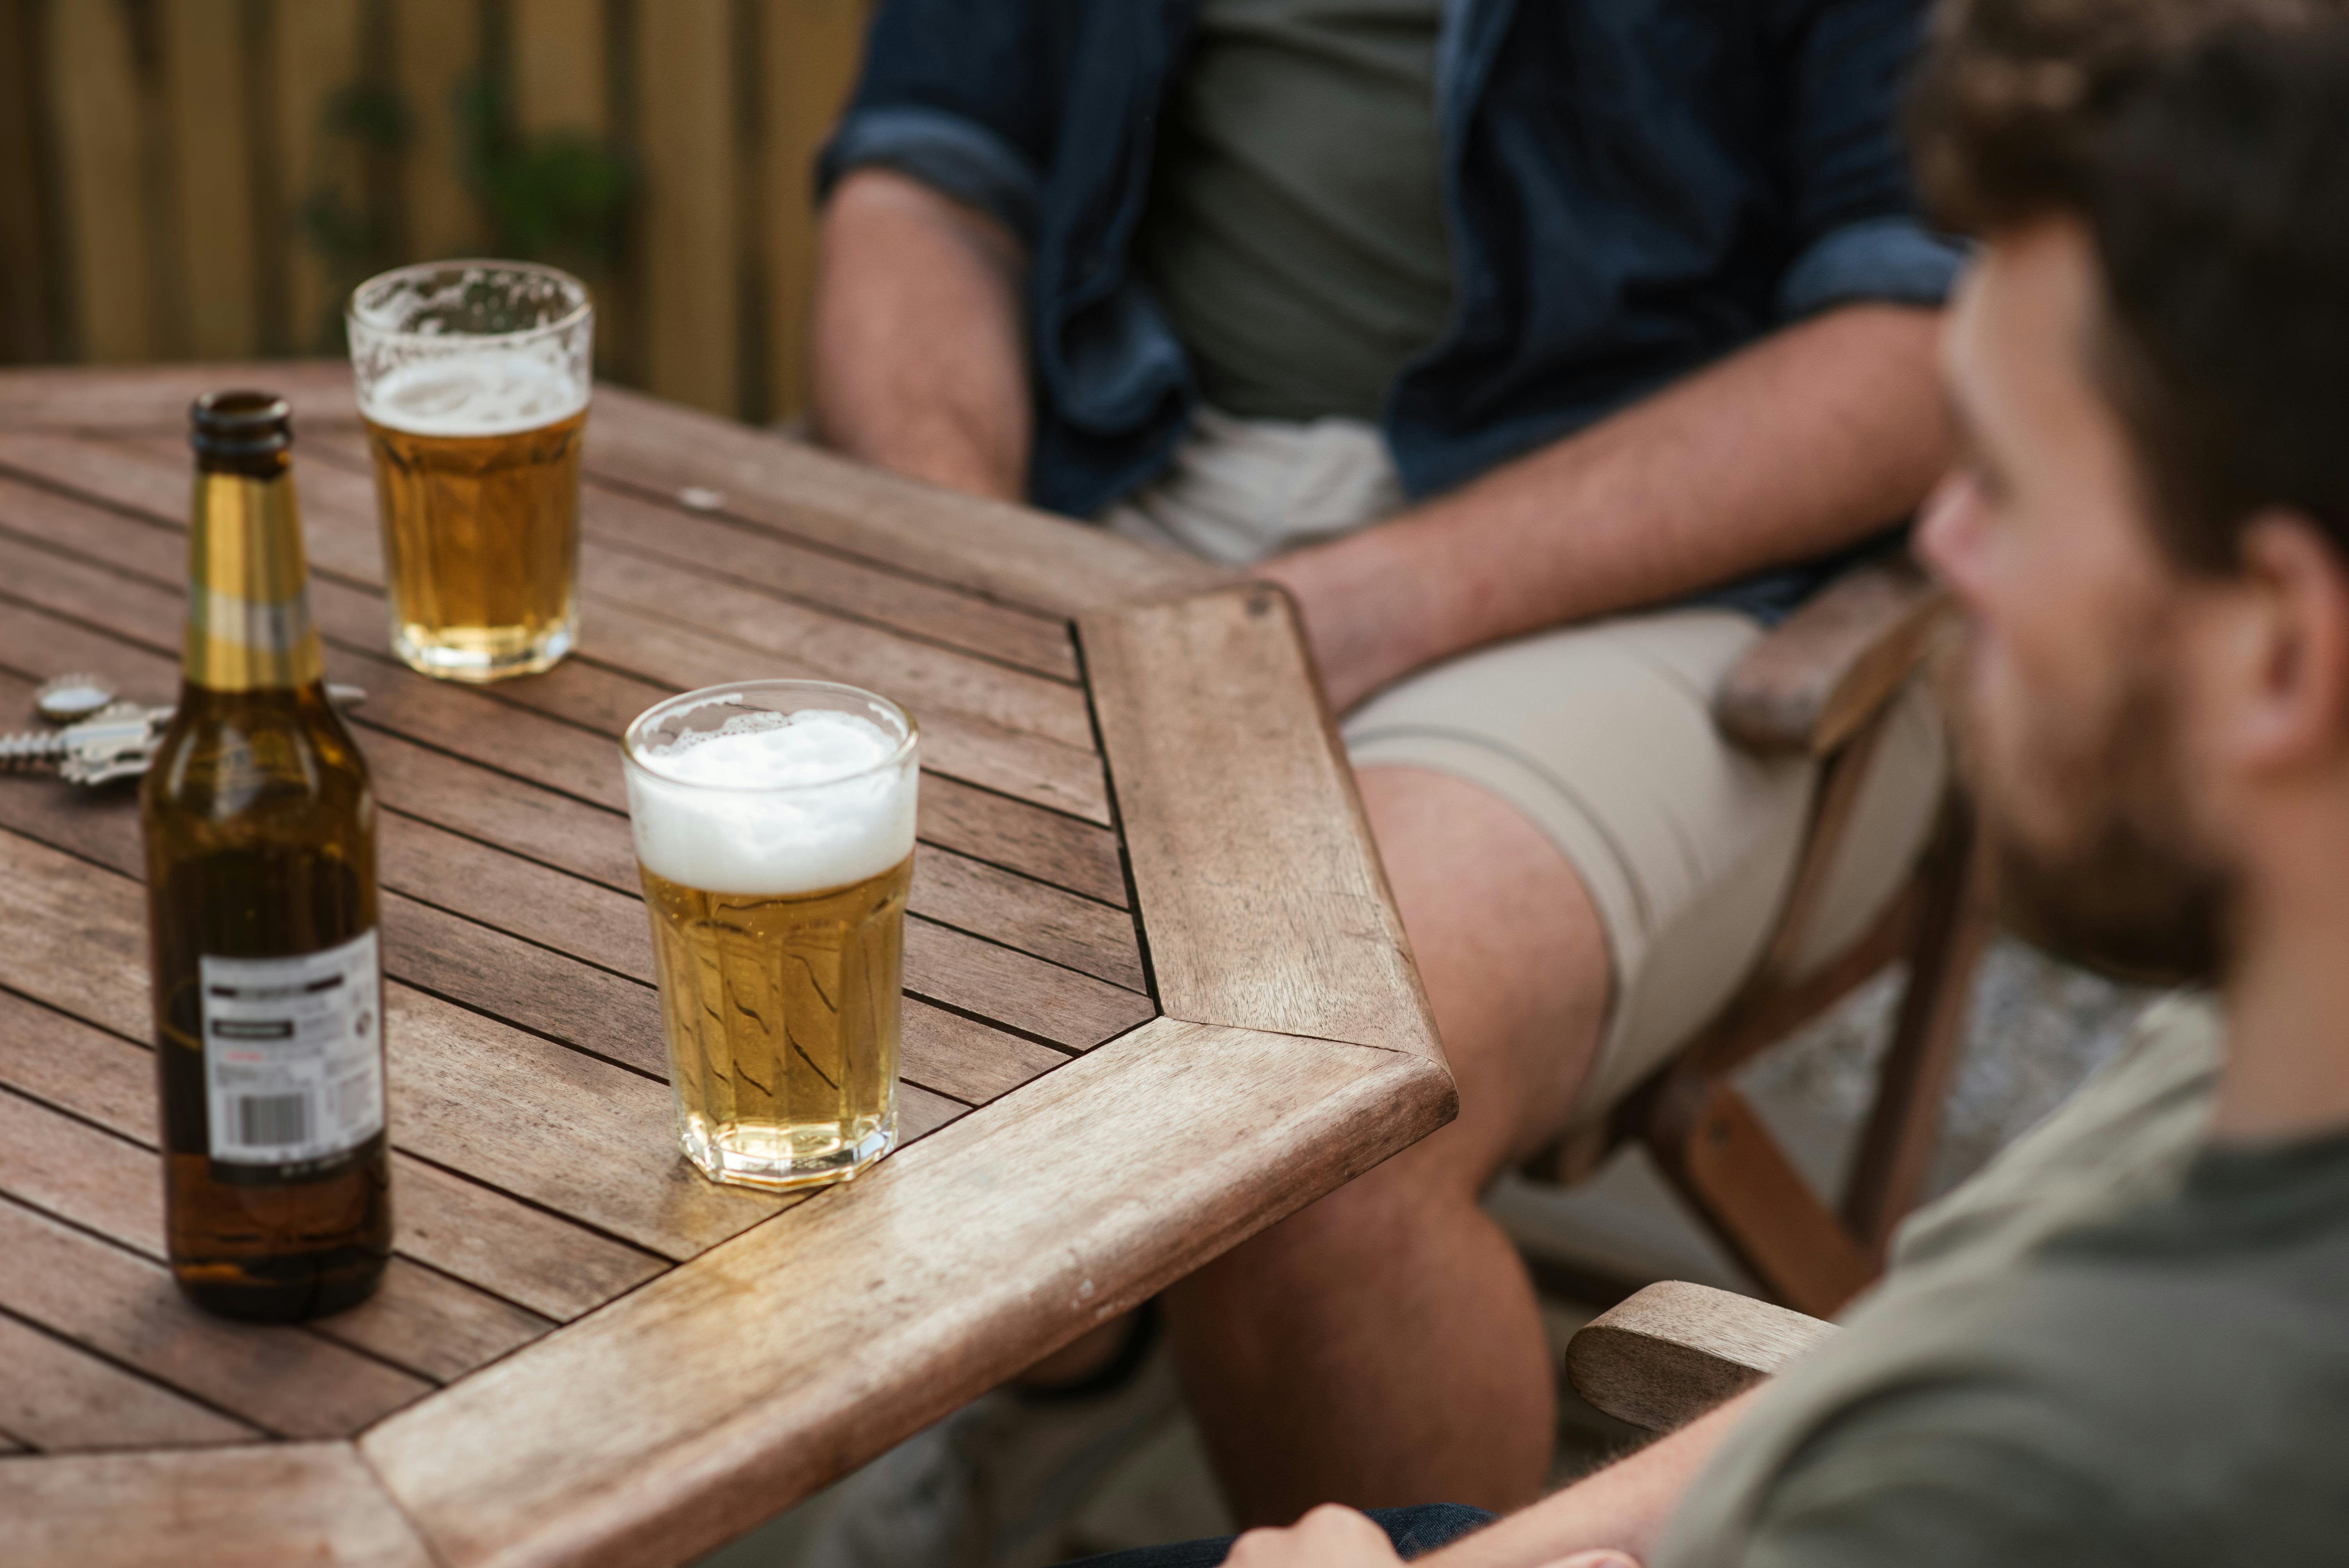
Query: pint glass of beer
[[774, 831], [472, 382]]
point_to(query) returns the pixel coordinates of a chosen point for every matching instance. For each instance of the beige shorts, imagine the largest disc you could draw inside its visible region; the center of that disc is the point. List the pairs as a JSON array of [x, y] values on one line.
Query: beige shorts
[[1601, 734]]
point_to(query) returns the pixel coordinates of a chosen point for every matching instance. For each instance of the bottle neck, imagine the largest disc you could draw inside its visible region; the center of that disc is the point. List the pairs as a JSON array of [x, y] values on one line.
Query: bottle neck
[[248, 586]]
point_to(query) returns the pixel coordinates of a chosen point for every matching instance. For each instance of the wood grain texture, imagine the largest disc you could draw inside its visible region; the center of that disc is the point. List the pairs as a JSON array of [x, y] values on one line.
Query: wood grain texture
[[710, 542], [206, 56], [569, 755], [59, 1399], [288, 1381], [317, 55], [436, 48], [868, 1311], [690, 226], [1264, 903], [1091, 937], [467, 1092], [424, 1322], [217, 1508], [1051, 848], [1675, 1350], [963, 972], [999, 728], [559, 66], [614, 1014], [1720, 1157], [527, 1255], [99, 117], [1833, 663], [155, 397], [27, 329], [810, 51], [1009, 552]]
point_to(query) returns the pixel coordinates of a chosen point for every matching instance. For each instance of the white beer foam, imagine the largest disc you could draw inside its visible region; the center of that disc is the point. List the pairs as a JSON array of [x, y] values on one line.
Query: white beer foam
[[492, 393], [800, 803]]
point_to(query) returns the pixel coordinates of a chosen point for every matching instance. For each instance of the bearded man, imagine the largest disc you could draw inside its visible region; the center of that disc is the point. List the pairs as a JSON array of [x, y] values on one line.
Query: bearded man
[[2122, 1341]]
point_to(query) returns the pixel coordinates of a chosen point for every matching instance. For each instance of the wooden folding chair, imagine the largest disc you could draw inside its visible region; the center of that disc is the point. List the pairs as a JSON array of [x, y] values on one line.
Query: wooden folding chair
[[1826, 682], [1674, 1351]]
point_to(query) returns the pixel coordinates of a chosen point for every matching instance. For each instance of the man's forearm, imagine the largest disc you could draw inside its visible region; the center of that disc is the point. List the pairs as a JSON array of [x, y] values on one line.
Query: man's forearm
[[1790, 449], [1622, 1507], [919, 356]]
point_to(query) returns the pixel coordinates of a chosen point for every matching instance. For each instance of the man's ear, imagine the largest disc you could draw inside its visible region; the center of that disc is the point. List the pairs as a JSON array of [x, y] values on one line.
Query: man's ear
[[2287, 645]]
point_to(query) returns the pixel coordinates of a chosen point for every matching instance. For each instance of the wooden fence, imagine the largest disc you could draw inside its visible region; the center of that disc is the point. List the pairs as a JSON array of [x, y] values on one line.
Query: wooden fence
[[206, 179]]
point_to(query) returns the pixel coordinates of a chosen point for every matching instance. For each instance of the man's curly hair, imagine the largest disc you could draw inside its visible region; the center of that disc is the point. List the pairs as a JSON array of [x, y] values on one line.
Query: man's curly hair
[[2205, 145]]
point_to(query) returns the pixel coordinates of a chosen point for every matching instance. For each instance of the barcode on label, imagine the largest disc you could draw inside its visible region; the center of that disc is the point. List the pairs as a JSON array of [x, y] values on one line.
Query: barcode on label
[[272, 1121]]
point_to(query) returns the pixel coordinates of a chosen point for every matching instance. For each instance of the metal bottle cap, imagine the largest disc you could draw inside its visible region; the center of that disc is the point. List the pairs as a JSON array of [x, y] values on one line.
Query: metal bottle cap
[[69, 698]]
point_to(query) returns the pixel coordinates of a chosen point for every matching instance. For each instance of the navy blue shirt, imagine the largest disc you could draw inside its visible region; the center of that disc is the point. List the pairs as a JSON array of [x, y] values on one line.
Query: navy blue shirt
[[1634, 188]]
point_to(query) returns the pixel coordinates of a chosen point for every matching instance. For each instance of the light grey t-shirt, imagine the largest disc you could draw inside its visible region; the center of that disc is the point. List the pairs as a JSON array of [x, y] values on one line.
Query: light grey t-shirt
[[2114, 1347]]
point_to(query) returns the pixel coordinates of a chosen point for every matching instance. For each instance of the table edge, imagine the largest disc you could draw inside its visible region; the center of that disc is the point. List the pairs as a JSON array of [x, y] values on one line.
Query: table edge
[[481, 1496]]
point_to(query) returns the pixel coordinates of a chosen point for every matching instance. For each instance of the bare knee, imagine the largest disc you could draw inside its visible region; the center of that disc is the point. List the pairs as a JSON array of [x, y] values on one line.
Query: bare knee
[[1511, 950]]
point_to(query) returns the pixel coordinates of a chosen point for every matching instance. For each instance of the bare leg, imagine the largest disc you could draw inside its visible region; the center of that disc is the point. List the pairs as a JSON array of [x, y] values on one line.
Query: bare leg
[[1384, 1347]]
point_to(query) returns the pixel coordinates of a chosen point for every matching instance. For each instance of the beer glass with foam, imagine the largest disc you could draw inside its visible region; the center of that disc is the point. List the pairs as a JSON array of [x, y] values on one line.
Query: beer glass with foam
[[473, 379], [774, 833]]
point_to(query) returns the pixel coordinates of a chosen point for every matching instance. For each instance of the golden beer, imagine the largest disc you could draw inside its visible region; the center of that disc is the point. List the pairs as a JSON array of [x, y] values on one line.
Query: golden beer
[[473, 380], [481, 545], [781, 1019], [774, 833]]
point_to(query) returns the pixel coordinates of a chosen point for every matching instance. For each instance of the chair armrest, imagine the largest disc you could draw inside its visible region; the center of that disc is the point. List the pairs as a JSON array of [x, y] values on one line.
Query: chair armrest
[[1675, 1350], [1811, 684]]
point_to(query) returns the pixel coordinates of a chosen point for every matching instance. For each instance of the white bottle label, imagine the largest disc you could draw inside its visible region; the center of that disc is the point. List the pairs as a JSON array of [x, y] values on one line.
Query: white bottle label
[[292, 1054]]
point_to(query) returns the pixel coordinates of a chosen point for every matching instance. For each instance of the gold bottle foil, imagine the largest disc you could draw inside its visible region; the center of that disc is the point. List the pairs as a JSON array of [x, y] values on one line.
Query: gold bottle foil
[[248, 587]]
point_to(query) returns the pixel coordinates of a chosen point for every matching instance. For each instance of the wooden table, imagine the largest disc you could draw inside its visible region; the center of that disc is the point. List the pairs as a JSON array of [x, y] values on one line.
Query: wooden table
[[1158, 998]]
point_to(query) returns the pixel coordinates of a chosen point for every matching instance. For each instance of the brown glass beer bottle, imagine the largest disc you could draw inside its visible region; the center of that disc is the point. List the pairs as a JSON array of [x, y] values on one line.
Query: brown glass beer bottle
[[261, 886]]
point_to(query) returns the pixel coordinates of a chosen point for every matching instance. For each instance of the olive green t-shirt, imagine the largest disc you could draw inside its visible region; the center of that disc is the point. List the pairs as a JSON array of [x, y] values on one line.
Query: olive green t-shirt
[[2161, 1378], [1294, 235]]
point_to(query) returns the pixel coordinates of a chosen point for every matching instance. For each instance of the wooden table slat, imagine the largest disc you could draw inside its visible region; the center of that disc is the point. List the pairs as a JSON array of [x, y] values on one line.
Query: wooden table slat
[[488, 969], [205, 1508], [612, 1016], [479, 1235], [38, 524], [1045, 845], [964, 1058], [288, 1380], [1008, 552], [1052, 766], [56, 1396], [528, 1255], [424, 1322], [699, 537], [1003, 906], [1245, 831], [1069, 1009], [153, 397], [466, 1091], [339, 519]]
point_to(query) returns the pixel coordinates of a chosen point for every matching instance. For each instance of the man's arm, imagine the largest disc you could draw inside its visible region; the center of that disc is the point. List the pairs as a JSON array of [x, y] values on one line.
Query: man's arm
[[1793, 448], [1622, 1507], [1611, 1518], [919, 362]]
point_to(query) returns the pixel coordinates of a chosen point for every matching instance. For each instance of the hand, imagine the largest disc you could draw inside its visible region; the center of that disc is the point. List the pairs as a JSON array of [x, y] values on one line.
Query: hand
[[1335, 1537], [1327, 1537]]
